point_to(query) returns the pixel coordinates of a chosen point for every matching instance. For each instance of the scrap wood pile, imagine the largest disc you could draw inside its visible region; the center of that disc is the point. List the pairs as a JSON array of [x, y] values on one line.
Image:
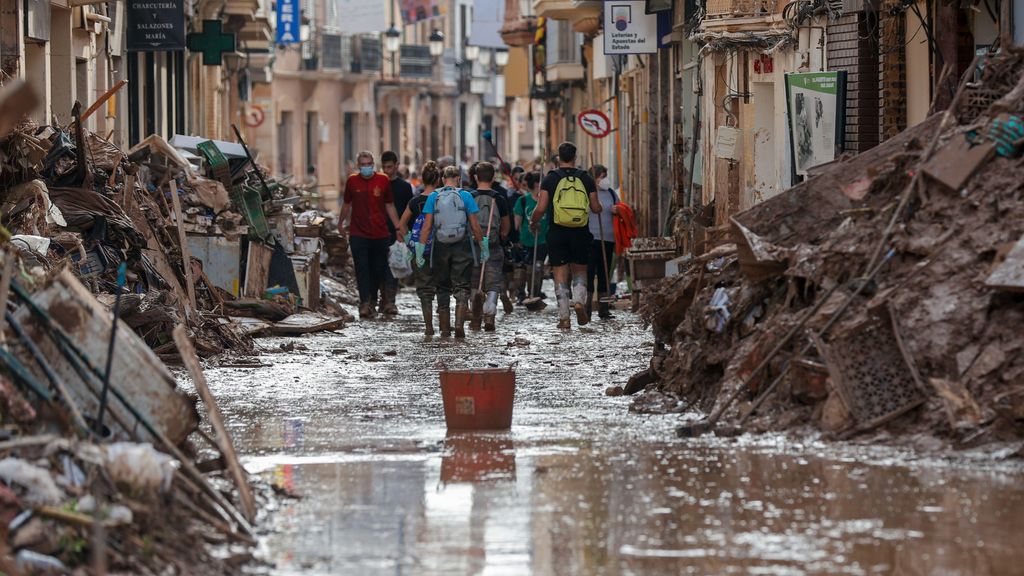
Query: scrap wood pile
[[98, 446], [884, 294], [69, 197]]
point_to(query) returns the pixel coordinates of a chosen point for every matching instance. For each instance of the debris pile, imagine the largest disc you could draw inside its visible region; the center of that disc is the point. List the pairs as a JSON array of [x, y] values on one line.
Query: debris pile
[[883, 295], [97, 461], [253, 246]]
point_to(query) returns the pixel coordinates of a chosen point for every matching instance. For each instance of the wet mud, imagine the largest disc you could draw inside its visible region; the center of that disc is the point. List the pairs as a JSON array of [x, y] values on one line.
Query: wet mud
[[352, 424]]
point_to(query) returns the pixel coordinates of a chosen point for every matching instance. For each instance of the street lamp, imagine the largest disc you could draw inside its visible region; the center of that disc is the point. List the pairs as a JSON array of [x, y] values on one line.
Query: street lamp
[[485, 58], [501, 57], [392, 39], [472, 52], [436, 43]]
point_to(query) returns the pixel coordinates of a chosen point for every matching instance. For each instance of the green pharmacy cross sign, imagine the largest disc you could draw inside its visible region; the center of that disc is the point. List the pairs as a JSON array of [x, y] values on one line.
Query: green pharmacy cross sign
[[213, 42]]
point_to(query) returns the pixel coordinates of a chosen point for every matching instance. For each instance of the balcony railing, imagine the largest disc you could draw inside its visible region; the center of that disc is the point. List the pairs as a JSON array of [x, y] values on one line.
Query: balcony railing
[[717, 9], [415, 61]]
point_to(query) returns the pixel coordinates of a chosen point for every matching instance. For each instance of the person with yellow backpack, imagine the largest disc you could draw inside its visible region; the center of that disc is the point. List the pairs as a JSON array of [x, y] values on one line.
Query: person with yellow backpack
[[568, 196]]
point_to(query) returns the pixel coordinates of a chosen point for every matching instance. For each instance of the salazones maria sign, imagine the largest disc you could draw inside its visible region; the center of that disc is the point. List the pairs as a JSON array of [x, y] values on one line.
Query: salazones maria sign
[[629, 29], [817, 117], [155, 25]]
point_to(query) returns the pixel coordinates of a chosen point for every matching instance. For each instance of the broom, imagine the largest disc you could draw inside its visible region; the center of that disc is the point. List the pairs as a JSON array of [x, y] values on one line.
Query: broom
[[534, 303], [478, 298]]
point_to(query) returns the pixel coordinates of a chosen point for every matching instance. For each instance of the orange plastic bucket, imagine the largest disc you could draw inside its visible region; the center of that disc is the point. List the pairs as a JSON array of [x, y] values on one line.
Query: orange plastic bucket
[[478, 399]]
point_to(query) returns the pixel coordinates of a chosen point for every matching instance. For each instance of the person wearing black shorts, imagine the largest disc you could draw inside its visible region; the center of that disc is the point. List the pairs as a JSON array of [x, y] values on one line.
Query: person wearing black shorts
[[568, 248]]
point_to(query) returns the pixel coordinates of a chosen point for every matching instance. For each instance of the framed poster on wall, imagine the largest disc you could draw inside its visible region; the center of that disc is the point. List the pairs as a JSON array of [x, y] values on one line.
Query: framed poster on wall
[[816, 111]]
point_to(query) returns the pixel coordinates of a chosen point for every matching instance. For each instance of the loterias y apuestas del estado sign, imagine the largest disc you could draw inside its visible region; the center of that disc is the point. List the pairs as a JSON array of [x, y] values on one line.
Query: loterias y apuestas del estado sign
[[155, 25]]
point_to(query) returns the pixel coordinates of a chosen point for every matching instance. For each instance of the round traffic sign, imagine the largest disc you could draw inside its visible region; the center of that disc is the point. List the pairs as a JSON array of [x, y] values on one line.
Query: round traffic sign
[[254, 116], [594, 123]]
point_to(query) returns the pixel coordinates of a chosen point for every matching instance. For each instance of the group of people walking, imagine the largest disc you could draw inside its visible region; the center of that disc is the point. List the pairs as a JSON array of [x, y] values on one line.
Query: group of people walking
[[473, 240]]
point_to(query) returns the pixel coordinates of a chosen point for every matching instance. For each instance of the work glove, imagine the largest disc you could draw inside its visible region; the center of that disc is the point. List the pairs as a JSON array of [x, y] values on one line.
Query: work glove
[[420, 249], [485, 249], [408, 238]]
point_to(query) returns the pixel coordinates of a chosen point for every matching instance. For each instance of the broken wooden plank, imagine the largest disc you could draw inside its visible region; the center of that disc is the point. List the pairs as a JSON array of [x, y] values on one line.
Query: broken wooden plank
[[186, 254], [961, 409], [257, 270], [224, 443], [955, 163], [306, 323], [1009, 275], [136, 371]]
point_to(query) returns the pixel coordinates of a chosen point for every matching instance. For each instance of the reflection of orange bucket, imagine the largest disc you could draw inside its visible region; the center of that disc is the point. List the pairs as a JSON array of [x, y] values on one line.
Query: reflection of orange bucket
[[478, 457], [478, 399]]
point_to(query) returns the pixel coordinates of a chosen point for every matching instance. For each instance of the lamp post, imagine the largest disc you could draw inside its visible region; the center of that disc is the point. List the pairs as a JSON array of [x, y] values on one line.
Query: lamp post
[[485, 58], [501, 57], [392, 42], [436, 42]]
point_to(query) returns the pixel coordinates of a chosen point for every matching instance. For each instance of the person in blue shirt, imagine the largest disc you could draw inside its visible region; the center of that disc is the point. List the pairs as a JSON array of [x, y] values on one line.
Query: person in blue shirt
[[456, 227]]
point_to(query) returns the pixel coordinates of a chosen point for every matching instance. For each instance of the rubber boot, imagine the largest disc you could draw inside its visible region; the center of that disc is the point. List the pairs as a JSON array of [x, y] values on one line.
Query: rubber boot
[[562, 297], [489, 323], [428, 317], [366, 311], [388, 296], [444, 321], [590, 303], [506, 302], [460, 319], [579, 303], [604, 310]]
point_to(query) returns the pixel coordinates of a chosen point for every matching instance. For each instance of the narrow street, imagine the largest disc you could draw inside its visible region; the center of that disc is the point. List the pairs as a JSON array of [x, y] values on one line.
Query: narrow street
[[351, 423]]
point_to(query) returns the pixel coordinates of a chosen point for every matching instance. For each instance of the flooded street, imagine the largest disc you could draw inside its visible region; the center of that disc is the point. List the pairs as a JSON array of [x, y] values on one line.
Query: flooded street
[[352, 423]]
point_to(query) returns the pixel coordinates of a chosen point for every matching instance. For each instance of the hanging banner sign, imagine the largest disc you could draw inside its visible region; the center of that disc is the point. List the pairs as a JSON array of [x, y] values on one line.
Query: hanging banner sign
[[816, 102], [155, 25], [594, 123], [629, 29], [288, 21]]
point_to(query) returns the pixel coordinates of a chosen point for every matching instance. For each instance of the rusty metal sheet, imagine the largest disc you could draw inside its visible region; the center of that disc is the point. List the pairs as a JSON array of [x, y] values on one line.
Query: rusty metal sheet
[[872, 372], [136, 371], [1009, 275]]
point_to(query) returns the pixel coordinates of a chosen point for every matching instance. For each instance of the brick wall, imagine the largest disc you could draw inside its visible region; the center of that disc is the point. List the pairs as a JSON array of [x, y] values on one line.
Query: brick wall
[[851, 48], [892, 83]]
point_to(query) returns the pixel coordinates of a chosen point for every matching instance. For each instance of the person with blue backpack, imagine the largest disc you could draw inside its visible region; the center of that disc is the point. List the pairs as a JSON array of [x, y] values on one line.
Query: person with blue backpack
[[568, 196], [450, 220], [414, 216]]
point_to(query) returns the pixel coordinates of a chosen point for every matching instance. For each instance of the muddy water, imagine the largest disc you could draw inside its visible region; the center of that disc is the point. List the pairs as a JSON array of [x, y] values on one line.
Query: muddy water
[[354, 425]]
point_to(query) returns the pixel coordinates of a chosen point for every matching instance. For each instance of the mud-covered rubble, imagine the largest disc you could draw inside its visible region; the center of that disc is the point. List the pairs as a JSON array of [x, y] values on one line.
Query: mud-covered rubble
[[71, 198], [125, 476], [930, 341]]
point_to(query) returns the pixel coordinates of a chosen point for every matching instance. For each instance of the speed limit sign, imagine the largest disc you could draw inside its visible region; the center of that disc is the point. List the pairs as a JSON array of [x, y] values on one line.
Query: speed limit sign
[[594, 123]]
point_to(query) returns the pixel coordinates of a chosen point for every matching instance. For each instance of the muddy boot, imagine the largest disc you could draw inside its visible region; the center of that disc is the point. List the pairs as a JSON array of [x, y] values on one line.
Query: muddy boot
[[460, 320], [579, 294], [590, 303], [562, 297], [366, 311], [444, 321], [388, 307], [506, 302], [428, 318], [604, 310], [489, 323]]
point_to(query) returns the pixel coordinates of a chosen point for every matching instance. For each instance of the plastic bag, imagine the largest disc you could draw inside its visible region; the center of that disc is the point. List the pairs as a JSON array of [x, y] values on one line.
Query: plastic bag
[[400, 260]]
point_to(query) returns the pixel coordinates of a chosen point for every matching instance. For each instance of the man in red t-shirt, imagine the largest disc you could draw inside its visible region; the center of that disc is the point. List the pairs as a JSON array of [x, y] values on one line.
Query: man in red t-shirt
[[368, 205]]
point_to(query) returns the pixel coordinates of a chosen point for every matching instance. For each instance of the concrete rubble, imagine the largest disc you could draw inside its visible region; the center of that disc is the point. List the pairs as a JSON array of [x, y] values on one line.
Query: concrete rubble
[[881, 297]]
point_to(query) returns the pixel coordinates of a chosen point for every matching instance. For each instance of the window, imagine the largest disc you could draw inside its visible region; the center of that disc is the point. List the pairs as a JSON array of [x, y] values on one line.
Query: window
[[284, 144], [312, 140], [395, 124], [350, 137]]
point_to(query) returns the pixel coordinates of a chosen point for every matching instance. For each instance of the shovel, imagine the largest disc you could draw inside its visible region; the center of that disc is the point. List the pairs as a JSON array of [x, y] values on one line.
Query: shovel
[[478, 298], [534, 303]]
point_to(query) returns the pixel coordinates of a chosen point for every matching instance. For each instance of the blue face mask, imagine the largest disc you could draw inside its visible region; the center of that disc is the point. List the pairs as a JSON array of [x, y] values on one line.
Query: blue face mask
[[366, 171]]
